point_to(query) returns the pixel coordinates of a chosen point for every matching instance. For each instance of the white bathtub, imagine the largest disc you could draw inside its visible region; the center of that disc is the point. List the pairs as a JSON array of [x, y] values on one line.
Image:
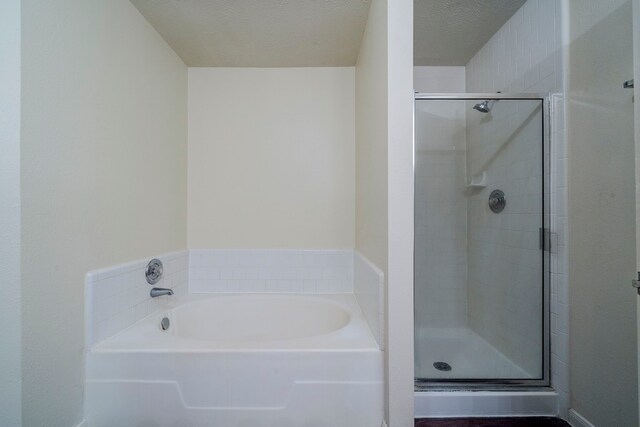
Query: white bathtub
[[240, 360]]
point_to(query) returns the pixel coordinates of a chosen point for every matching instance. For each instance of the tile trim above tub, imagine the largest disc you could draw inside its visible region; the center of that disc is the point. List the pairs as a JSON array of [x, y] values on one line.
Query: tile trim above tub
[[117, 297], [271, 270], [369, 292]]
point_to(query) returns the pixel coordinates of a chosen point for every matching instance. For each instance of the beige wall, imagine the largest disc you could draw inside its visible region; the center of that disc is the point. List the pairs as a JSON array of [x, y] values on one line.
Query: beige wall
[[10, 375], [384, 185], [271, 158], [103, 175], [104, 155], [371, 139], [400, 175], [371, 148], [603, 346]]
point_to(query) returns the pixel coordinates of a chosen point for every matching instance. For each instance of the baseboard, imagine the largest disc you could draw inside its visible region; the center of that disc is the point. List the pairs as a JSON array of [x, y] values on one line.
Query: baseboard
[[577, 420]]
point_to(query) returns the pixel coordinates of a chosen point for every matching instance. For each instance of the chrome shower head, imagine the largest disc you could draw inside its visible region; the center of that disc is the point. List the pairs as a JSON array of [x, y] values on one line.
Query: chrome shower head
[[484, 106]]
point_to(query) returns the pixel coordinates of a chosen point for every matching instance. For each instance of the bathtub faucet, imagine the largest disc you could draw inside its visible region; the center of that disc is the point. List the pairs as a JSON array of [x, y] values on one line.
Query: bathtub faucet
[[158, 292]]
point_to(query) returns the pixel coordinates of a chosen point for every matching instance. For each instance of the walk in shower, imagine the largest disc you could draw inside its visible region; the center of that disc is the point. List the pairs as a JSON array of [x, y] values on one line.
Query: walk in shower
[[481, 247]]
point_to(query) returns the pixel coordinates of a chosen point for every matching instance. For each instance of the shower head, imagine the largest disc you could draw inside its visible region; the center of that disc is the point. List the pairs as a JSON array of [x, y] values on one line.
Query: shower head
[[484, 106]]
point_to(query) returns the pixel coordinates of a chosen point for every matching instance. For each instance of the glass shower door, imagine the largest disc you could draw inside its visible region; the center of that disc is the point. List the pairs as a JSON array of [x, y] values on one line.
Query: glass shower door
[[481, 211]]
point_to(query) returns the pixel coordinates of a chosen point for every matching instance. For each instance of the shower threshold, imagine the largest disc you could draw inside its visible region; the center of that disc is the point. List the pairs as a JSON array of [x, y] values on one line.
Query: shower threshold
[[541, 401], [422, 385]]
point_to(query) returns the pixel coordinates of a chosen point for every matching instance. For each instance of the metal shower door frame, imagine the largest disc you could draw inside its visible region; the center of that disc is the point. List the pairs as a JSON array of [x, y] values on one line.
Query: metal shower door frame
[[508, 384]]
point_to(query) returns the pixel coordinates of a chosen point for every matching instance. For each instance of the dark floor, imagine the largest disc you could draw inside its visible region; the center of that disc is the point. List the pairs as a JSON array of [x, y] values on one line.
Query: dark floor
[[492, 422]]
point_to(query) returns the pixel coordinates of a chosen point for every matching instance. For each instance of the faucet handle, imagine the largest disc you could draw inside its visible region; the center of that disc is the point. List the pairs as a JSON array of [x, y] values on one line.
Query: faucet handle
[[154, 271]]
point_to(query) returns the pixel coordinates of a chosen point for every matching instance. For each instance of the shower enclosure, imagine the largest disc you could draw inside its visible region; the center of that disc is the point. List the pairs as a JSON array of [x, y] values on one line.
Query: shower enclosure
[[481, 242]]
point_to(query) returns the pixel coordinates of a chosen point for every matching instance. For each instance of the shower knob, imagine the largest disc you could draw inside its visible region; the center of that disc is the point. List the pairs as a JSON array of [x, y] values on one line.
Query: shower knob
[[497, 201], [153, 272]]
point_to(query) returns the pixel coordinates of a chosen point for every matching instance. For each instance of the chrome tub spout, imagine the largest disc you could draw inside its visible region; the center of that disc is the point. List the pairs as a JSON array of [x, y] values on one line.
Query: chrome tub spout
[[157, 292]]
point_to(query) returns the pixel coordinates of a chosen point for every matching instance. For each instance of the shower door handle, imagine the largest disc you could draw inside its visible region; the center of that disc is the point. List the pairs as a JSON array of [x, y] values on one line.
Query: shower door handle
[[545, 239], [636, 283]]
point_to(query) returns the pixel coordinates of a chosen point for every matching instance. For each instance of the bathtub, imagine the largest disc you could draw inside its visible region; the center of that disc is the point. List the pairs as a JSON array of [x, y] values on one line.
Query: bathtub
[[240, 360]]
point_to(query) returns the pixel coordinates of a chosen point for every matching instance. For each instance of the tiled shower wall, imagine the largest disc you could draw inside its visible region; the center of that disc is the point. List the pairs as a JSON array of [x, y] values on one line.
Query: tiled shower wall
[[440, 202], [526, 55], [440, 215], [504, 269]]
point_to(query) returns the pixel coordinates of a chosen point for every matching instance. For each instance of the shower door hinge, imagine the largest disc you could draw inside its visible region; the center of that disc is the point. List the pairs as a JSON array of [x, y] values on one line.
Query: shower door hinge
[[636, 283], [545, 239]]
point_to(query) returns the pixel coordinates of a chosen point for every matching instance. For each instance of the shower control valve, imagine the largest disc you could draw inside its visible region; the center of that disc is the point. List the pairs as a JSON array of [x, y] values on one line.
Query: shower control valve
[[154, 271], [497, 201]]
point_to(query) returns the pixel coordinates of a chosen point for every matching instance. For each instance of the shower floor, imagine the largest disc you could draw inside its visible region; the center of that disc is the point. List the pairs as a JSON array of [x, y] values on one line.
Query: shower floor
[[470, 356]]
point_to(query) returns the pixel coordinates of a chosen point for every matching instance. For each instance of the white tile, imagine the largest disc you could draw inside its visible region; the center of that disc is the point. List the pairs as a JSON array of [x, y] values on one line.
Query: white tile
[[118, 296], [529, 59], [369, 292], [275, 271], [559, 378]]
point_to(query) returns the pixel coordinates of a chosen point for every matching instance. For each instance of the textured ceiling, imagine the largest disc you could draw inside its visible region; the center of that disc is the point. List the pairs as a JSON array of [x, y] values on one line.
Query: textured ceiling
[[260, 33], [450, 32]]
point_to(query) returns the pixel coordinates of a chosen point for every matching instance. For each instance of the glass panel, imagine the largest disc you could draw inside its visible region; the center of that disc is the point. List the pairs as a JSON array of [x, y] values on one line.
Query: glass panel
[[479, 282]]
